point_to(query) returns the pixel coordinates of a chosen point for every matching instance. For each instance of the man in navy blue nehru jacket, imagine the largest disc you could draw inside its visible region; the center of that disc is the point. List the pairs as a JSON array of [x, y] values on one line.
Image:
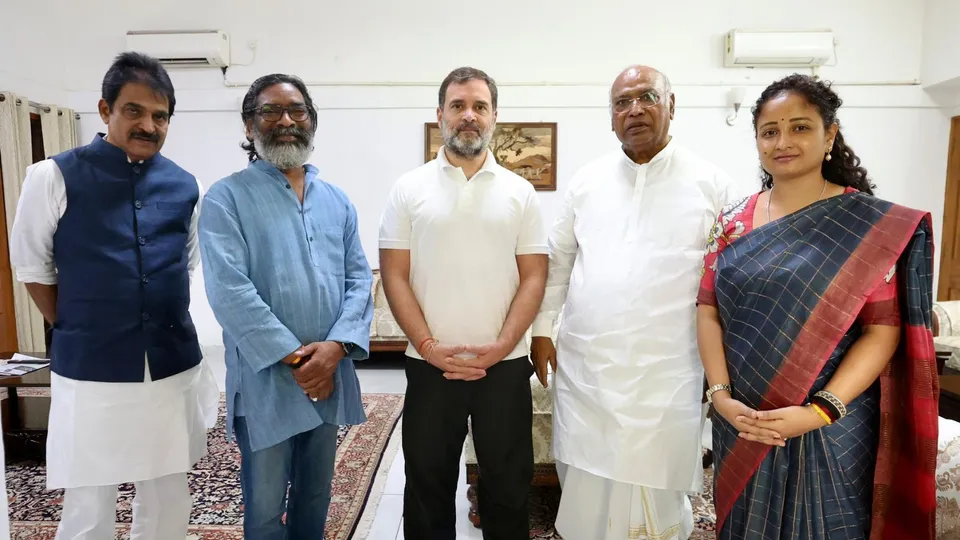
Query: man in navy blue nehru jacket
[[105, 240]]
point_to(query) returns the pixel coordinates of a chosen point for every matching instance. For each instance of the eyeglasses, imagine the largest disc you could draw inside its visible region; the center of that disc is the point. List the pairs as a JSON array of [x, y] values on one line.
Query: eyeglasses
[[646, 100], [273, 113]]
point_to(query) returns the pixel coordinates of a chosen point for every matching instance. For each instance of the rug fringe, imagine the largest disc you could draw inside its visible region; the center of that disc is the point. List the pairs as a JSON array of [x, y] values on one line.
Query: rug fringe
[[379, 483]]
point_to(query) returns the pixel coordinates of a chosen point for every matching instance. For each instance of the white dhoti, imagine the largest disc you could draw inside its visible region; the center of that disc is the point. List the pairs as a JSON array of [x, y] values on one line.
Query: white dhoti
[[150, 433], [596, 508]]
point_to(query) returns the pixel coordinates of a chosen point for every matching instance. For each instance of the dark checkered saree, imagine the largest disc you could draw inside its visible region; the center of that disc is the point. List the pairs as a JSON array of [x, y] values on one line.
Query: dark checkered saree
[[789, 294]]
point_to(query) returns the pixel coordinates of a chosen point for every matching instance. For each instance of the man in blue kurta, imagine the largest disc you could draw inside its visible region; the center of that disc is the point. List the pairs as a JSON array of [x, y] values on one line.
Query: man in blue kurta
[[105, 241], [288, 281]]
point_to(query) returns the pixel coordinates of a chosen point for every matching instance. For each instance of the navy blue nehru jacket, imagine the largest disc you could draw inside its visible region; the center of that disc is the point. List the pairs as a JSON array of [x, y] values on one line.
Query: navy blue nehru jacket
[[121, 255]]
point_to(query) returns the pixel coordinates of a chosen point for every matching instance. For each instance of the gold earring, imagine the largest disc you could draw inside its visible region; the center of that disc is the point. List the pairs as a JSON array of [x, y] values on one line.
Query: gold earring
[[829, 157]]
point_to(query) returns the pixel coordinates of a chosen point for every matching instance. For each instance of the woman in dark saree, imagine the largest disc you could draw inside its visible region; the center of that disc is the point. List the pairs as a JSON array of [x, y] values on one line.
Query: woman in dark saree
[[814, 326]]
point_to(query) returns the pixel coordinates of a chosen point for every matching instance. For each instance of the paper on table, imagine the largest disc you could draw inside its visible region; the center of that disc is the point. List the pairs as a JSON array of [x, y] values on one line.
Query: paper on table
[[18, 356], [19, 369]]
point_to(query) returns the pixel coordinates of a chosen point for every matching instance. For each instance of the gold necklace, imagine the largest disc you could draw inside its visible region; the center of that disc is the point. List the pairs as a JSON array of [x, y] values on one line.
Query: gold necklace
[[770, 197]]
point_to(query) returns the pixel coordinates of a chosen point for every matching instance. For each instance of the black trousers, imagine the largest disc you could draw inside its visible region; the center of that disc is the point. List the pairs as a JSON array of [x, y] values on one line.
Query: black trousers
[[434, 429]]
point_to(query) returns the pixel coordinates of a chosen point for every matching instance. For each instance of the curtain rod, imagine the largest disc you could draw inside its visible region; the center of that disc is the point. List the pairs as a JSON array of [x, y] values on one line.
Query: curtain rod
[[37, 107]]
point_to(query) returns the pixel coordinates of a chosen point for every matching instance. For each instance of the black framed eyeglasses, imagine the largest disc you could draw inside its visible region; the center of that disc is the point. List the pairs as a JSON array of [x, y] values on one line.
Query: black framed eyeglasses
[[271, 113]]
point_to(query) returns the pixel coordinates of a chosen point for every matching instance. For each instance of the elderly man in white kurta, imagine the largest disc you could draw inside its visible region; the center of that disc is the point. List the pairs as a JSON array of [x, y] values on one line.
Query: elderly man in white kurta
[[624, 268]]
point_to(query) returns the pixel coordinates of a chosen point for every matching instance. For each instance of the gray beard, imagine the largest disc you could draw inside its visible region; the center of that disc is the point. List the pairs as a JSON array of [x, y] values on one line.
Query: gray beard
[[282, 156], [463, 147]]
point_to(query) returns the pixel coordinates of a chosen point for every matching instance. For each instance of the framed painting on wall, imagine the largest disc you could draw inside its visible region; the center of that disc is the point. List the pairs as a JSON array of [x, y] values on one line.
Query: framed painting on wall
[[529, 149]]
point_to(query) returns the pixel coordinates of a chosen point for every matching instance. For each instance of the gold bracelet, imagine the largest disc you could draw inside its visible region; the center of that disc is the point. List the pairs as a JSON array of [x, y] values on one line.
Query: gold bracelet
[[822, 413]]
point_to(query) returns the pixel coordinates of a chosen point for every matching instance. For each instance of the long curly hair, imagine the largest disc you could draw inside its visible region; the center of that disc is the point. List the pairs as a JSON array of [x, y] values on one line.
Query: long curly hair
[[843, 168]]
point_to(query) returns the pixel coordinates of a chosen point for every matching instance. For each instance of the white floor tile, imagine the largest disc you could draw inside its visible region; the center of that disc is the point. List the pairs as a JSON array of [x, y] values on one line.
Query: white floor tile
[[395, 478], [382, 381], [386, 524]]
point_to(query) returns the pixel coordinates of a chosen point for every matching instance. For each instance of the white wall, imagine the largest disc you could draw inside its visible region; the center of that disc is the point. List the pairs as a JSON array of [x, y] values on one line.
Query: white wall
[[941, 43], [532, 40], [374, 66], [31, 45]]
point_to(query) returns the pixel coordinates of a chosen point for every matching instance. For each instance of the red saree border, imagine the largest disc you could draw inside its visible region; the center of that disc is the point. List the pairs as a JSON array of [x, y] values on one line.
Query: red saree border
[[819, 337], [904, 494]]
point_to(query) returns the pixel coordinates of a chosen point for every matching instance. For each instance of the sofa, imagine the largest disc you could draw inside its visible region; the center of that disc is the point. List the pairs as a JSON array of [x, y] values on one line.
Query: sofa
[[385, 333], [947, 344]]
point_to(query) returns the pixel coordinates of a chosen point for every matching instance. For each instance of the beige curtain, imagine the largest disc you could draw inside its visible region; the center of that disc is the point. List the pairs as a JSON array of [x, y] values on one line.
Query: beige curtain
[[16, 152], [59, 129]]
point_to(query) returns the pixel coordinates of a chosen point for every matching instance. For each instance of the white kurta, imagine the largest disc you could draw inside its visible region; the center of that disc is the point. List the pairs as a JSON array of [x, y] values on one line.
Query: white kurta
[[625, 259], [99, 433]]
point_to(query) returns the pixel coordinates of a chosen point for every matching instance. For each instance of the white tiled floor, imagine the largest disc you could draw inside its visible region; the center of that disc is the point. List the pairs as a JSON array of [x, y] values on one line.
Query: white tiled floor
[[387, 377]]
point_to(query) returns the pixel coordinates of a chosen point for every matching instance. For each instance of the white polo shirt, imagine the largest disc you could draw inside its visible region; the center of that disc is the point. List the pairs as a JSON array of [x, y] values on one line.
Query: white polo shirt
[[463, 238]]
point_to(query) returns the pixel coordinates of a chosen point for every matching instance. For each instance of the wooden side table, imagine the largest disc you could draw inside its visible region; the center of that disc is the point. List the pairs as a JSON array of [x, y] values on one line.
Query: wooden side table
[[20, 443], [950, 395]]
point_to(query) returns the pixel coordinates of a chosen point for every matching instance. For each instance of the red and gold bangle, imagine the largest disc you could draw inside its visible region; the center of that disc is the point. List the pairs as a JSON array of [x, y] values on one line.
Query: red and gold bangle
[[831, 404]]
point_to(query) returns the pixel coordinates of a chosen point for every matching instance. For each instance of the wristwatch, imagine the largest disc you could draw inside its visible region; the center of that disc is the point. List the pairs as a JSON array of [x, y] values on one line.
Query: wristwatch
[[347, 348], [716, 388]]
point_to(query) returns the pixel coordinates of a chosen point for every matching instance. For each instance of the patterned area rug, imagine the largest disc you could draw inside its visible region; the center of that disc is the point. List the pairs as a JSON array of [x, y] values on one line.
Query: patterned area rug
[[217, 512]]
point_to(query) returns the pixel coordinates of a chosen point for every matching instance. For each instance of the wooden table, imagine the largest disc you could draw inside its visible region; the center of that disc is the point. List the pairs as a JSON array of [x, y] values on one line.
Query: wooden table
[[20, 443], [950, 394]]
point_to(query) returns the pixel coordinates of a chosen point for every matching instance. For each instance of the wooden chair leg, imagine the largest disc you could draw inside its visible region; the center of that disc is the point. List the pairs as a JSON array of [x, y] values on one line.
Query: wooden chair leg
[[474, 514]]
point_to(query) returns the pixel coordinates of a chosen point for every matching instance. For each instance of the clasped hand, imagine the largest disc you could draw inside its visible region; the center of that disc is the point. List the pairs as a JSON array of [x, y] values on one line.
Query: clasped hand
[[768, 427], [444, 357], [315, 375]]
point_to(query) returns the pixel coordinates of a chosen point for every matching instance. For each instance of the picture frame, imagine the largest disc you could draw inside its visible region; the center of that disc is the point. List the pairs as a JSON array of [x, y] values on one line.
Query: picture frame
[[528, 149]]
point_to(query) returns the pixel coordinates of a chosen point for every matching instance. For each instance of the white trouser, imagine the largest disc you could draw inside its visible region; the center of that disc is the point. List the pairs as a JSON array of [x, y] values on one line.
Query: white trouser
[[161, 511]]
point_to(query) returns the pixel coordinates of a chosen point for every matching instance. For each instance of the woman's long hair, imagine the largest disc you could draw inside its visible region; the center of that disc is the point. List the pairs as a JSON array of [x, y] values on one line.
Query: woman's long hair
[[843, 168]]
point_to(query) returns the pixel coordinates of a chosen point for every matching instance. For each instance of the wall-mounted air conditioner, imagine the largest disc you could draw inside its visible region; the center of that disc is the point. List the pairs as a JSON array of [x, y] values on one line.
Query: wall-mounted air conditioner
[[187, 48], [778, 49]]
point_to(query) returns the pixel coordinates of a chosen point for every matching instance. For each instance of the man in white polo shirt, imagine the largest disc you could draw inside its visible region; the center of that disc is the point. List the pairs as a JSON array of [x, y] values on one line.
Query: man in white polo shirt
[[463, 259]]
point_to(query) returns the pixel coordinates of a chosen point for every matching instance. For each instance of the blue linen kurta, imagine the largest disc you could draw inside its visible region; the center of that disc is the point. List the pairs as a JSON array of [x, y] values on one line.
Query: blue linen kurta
[[279, 275]]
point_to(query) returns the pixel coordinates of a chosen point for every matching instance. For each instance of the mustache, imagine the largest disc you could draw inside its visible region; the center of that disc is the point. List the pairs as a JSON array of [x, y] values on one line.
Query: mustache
[[144, 136], [468, 126], [300, 134]]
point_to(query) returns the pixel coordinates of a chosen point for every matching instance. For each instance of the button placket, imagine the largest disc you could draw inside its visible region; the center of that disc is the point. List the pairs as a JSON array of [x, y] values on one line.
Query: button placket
[[465, 193]]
